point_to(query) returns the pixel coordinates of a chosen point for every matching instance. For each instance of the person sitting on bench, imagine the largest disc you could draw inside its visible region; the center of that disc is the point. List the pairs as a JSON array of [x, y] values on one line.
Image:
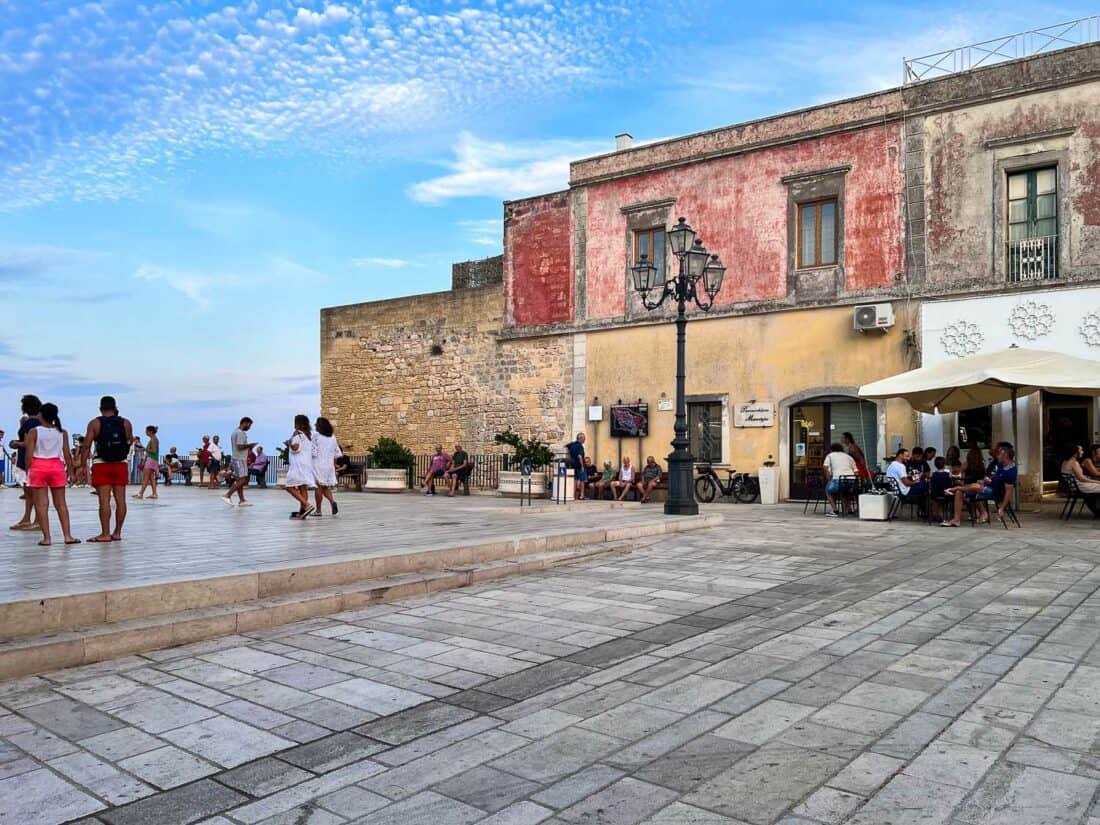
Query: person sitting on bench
[[258, 468], [651, 477], [998, 486], [459, 471]]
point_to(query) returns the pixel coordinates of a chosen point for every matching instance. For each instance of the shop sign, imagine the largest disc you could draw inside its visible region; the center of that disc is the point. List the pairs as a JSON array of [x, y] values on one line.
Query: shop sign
[[754, 414], [664, 404]]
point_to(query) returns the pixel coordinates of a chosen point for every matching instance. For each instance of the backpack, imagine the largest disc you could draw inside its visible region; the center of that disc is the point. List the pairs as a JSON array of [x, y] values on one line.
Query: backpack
[[111, 445]]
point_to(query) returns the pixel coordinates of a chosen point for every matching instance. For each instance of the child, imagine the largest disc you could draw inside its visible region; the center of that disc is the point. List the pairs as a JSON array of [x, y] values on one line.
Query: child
[[299, 475], [940, 481]]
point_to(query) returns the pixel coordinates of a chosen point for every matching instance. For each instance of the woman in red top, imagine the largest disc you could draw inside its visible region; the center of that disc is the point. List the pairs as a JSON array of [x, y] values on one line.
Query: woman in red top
[[862, 470], [204, 457]]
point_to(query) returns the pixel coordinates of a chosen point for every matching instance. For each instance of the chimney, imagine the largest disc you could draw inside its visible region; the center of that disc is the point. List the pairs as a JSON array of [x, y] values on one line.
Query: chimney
[[623, 141]]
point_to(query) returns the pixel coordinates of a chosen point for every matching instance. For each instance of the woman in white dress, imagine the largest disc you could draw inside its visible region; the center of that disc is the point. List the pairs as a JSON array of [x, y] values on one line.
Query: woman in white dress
[[325, 451], [299, 475]]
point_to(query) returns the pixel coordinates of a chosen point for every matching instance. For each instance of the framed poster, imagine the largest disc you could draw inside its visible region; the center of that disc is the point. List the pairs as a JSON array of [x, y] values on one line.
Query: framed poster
[[629, 420]]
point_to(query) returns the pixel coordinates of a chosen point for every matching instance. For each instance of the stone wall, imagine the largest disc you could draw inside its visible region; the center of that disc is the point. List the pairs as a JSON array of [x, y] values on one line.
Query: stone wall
[[429, 368], [473, 274]]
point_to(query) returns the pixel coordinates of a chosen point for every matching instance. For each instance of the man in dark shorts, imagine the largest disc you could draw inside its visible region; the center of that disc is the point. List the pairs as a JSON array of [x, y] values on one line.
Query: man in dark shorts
[[575, 450], [459, 470], [30, 405], [113, 436]]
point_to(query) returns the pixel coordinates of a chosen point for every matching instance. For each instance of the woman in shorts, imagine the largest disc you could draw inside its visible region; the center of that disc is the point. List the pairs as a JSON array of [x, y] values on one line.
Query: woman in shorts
[[150, 467], [51, 468]]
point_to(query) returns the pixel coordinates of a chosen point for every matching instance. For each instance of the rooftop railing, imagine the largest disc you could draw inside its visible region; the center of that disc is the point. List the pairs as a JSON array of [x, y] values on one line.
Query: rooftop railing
[[1000, 49]]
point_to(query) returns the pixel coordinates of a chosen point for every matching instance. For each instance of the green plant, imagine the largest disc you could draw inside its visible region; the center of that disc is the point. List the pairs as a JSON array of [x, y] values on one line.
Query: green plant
[[284, 453], [535, 451], [388, 454]]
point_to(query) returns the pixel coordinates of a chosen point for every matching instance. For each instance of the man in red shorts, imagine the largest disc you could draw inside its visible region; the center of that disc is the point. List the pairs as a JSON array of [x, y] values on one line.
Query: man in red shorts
[[113, 436]]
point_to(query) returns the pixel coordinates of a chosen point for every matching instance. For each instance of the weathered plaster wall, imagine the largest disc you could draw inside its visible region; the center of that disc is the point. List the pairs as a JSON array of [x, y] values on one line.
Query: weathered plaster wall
[[739, 205], [966, 151], [767, 357], [381, 376], [538, 269]]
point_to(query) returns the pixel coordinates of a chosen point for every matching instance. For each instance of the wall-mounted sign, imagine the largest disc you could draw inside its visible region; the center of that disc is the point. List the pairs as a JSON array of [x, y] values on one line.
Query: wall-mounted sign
[[664, 404], [629, 420], [754, 414], [595, 413]]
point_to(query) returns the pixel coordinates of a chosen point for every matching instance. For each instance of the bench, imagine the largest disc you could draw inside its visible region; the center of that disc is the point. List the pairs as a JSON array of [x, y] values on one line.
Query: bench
[[632, 494], [350, 474]]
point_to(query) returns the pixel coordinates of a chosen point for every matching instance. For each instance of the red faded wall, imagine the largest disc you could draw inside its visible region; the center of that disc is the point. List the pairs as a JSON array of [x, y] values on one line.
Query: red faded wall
[[538, 270], [739, 207]]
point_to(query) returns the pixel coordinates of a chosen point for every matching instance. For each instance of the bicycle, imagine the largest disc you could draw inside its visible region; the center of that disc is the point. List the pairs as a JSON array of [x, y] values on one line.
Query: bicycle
[[741, 487]]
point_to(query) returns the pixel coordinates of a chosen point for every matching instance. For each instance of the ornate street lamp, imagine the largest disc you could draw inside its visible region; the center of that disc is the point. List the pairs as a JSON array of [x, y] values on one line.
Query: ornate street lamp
[[699, 272]]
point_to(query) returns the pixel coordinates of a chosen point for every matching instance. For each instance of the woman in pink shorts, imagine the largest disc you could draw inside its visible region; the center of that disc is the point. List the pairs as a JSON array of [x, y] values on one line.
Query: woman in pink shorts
[[150, 467], [51, 468]]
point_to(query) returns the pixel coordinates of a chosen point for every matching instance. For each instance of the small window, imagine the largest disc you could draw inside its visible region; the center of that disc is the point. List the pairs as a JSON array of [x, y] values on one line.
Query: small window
[[817, 233], [976, 428], [651, 242]]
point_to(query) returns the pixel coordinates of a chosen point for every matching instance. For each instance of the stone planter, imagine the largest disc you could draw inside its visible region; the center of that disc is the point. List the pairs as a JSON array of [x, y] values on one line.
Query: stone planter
[[509, 484], [386, 481]]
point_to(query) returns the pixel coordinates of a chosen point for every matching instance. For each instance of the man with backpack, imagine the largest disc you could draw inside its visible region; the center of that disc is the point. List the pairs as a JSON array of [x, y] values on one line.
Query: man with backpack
[[113, 436]]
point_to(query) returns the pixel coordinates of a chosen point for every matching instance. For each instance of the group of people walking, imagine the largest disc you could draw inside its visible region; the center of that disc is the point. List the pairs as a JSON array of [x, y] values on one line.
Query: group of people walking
[[45, 466]]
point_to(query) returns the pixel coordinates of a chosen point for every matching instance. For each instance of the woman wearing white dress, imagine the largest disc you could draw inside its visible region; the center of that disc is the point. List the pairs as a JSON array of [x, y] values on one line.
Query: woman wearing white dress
[[325, 451], [299, 475]]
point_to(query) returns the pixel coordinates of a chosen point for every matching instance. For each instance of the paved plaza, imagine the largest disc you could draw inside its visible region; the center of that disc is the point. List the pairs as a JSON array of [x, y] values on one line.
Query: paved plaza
[[190, 533], [780, 668]]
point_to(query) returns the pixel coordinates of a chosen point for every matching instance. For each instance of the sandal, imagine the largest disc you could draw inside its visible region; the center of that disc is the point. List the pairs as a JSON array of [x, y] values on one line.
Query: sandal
[[72, 541], [99, 540], [44, 543]]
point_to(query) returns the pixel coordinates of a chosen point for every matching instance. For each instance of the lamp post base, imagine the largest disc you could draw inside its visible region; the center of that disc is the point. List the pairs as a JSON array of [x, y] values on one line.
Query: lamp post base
[[681, 499]]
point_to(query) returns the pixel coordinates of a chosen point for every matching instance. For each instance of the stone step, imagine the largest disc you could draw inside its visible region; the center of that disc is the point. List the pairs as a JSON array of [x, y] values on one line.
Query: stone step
[[100, 641]]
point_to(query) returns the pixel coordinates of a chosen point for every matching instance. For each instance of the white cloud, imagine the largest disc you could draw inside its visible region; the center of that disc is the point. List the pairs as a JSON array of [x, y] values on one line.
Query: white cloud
[[197, 286], [129, 101], [486, 232], [388, 263], [484, 168]]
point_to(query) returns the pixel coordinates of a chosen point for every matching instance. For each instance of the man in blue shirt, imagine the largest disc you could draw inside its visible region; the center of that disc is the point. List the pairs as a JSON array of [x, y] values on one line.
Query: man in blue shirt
[[576, 463], [998, 486]]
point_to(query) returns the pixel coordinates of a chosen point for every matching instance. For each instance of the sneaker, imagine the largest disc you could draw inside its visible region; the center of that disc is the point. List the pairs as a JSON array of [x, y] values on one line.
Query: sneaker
[[245, 504], [335, 508], [227, 500], [832, 514], [429, 493]]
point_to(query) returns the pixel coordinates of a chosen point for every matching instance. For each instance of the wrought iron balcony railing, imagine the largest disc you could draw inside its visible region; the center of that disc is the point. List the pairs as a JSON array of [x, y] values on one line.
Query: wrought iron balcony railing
[[1033, 259], [999, 49]]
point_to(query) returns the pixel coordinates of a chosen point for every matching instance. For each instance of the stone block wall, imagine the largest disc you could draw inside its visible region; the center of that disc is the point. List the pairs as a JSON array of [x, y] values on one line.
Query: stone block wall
[[474, 274], [430, 368]]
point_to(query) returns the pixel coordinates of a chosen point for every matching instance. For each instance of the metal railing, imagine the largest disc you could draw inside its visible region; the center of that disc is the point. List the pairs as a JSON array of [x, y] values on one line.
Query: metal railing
[[1011, 47], [1033, 259]]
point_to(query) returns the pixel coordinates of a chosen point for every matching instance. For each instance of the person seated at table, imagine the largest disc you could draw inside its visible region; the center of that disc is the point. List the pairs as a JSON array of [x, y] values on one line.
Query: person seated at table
[[601, 481], [997, 487], [974, 467], [917, 464], [952, 455], [899, 470], [839, 463], [955, 471], [621, 486], [938, 484], [994, 459], [1091, 462], [258, 468], [1089, 487], [651, 477]]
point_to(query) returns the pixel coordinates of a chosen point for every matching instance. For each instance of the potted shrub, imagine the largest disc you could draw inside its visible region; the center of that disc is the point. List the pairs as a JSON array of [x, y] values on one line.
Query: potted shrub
[[389, 467], [532, 449]]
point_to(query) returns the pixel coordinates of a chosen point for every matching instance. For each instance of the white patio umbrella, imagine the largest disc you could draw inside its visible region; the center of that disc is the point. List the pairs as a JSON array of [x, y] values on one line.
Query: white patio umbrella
[[989, 378]]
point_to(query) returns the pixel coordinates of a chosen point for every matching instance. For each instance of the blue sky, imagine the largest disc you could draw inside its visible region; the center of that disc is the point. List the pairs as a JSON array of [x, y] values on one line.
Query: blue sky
[[184, 184]]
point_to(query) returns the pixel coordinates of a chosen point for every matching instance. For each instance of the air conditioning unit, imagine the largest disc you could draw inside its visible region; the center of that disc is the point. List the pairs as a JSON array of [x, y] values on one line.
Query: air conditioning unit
[[873, 316]]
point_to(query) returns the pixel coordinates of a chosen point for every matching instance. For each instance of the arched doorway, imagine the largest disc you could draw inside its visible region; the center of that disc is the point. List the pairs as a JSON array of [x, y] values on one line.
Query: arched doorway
[[812, 420]]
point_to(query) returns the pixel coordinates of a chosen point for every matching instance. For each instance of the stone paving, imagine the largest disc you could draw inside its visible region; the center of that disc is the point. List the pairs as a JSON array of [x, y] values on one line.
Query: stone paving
[[778, 669], [190, 533]]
